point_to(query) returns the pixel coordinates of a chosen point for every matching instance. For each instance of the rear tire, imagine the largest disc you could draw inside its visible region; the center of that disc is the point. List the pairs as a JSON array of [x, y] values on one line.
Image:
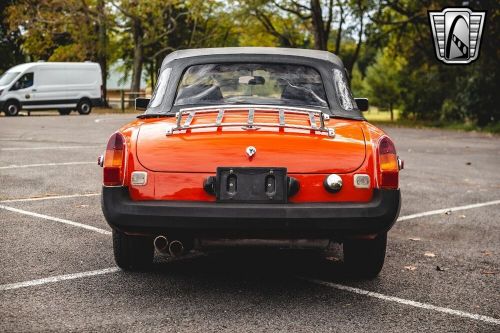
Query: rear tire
[[364, 258], [84, 107], [64, 112], [11, 108], [132, 253]]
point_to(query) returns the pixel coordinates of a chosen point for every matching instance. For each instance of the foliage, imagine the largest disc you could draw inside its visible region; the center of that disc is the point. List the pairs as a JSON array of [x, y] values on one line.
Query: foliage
[[382, 83], [431, 90], [385, 45], [10, 41]]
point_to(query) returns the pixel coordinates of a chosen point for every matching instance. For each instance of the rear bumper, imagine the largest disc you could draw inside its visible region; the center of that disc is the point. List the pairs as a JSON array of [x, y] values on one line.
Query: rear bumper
[[291, 219]]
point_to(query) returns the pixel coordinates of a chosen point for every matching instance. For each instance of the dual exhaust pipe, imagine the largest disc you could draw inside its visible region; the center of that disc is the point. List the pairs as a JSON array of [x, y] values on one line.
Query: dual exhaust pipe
[[162, 245]]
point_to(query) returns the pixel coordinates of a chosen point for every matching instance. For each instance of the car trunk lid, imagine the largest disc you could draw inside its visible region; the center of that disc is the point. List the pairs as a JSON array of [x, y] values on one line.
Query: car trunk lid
[[205, 149]]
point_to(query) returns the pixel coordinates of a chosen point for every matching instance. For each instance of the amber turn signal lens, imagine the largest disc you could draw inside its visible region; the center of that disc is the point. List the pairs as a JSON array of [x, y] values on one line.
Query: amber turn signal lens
[[114, 161], [388, 162]]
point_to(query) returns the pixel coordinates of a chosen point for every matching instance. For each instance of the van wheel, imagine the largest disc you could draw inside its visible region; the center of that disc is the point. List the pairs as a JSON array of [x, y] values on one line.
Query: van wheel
[[64, 112], [364, 258], [84, 107], [11, 108], [132, 253]]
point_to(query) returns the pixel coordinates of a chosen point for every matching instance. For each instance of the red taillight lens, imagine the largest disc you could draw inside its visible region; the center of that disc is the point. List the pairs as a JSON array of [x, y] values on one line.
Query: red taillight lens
[[114, 160], [388, 162]]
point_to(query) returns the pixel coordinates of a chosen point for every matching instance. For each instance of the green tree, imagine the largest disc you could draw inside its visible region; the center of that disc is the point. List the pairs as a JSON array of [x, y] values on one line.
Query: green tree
[[432, 90], [382, 82], [57, 30], [10, 41]]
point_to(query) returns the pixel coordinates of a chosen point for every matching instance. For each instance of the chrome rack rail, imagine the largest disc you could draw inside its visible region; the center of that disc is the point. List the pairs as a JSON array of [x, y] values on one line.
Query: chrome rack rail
[[188, 114]]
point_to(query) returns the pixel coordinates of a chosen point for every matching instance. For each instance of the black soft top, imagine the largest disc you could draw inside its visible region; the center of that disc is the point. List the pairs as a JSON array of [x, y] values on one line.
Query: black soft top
[[323, 61]]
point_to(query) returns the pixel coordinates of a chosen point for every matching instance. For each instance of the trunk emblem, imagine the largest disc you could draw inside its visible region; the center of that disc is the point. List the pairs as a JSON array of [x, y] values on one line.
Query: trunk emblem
[[251, 150]]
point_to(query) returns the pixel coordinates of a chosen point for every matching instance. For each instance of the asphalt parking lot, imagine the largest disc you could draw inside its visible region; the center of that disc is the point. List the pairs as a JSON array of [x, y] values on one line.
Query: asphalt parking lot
[[57, 273]]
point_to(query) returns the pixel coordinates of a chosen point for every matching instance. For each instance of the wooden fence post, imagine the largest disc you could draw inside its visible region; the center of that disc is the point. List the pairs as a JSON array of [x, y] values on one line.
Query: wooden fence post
[[122, 100]]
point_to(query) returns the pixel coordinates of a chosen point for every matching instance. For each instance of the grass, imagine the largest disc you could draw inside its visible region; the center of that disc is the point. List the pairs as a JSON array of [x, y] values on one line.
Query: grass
[[378, 116], [374, 114]]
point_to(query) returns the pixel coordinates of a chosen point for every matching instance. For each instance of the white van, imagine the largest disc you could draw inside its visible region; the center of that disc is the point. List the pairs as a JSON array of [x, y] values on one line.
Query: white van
[[63, 86]]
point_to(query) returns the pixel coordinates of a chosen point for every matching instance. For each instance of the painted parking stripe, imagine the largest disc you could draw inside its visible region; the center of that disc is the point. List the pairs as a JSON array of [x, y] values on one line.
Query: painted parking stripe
[[13, 166], [420, 305], [50, 197], [48, 148], [56, 219], [57, 278], [445, 210]]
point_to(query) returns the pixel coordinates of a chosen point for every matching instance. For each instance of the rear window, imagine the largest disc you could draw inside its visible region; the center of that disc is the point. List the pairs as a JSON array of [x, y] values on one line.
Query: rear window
[[251, 83], [343, 91]]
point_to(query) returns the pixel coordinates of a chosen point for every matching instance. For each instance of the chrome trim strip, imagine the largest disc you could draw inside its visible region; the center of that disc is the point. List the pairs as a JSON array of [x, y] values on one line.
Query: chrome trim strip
[[220, 115], [312, 120], [251, 113], [282, 117], [189, 119], [246, 106], [325, 130], [222, 109]]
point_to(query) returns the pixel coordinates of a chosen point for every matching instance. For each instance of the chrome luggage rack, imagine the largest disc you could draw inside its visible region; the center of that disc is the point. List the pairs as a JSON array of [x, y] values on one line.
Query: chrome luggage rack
[[221, 110]]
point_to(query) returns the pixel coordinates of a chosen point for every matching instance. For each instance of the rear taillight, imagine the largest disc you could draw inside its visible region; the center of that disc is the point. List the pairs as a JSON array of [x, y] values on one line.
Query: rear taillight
[[114, 161], [388, 164]]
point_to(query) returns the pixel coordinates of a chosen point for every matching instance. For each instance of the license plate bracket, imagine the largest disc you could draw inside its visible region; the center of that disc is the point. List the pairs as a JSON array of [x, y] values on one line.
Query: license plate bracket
[[251, 185]]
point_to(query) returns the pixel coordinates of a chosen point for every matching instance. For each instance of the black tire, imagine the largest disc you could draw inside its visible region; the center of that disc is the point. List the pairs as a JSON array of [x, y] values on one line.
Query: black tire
[[132, 253], [64, 112], [11, 108], [84, 107], [364, 258]]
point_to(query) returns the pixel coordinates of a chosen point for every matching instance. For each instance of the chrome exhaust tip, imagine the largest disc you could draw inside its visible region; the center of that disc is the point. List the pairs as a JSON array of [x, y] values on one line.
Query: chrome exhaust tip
[[176, 248], [161, 244]]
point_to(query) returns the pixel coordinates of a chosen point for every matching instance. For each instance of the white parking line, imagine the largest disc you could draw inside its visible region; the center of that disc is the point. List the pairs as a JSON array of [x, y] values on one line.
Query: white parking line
[[47, 148], [426, 306], [14, 166], [445, 210], [56, 219], [57, 278], [50, 197]]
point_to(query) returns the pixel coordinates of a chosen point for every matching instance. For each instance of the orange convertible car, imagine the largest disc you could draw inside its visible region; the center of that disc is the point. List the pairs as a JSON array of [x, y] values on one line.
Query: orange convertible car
[[251, 147]]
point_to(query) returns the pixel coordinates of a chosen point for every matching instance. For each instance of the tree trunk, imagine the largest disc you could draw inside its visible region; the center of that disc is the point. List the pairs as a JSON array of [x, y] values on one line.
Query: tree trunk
[[138, 34], [320, 35], [392, 112], [338, 39], [102, 49], [358, 46]]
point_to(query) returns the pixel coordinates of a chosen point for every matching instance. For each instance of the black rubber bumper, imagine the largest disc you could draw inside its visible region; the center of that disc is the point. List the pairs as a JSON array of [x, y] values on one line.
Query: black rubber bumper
[[375, 216]]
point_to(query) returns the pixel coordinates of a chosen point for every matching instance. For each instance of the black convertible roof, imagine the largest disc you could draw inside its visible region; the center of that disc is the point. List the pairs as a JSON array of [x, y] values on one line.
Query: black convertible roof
[[312, 54], [322, 61]]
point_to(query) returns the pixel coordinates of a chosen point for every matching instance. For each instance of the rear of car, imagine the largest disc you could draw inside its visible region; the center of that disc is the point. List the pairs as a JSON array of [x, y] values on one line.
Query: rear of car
[[251, 153], [51, 86]]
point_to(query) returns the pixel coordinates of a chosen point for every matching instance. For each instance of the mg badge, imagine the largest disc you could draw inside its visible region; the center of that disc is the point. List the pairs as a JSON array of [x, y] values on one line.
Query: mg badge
[[457, 34], [251, 150]]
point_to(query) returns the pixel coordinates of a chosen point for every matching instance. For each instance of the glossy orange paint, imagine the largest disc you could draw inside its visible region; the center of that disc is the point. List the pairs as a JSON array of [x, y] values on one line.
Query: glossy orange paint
[[203, 150], [178, 164]]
